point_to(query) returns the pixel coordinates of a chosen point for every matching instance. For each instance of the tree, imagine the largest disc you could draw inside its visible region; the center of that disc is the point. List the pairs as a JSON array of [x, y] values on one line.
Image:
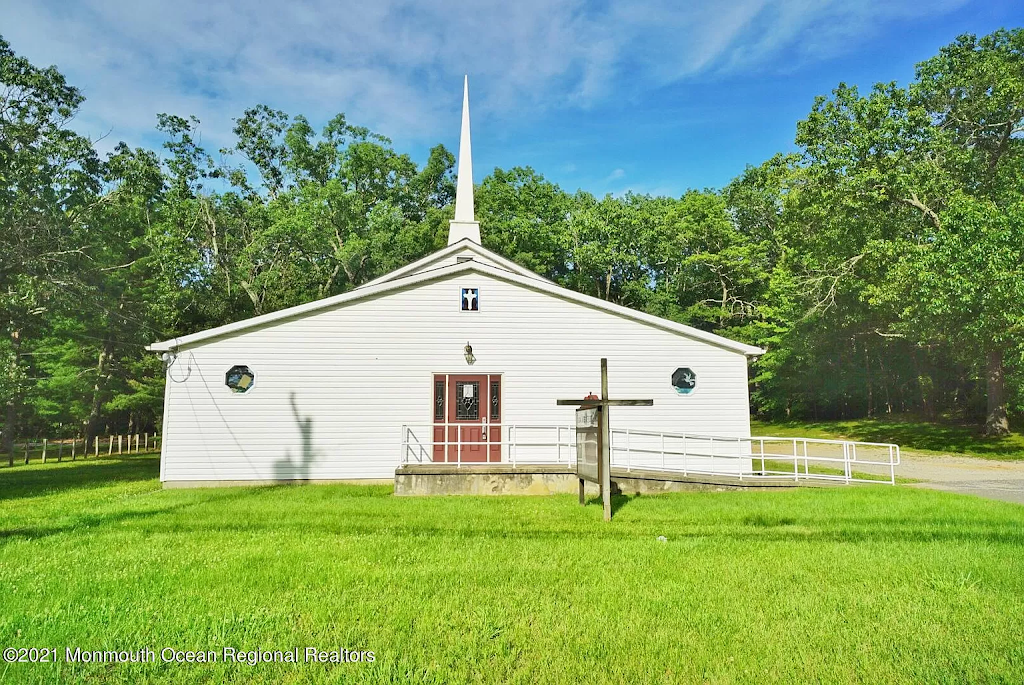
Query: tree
[[523, 217], [605, 245], [49, 179], [974, 89], [886, 176]]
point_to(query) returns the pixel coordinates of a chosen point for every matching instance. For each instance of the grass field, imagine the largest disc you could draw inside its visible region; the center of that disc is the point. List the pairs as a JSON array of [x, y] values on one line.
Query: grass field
[[870, 584], [917, 436]]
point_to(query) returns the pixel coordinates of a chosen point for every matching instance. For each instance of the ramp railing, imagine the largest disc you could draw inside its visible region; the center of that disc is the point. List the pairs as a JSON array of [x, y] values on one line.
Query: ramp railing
[[756, 457], [686, 454]]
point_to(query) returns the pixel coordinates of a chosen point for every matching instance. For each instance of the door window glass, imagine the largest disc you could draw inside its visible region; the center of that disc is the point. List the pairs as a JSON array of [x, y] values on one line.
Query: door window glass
[[467, 400]]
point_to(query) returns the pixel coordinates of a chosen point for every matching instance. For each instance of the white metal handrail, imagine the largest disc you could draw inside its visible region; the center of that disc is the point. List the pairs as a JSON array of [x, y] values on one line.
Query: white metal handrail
[[755, 458], [803, 458], [418, 450]]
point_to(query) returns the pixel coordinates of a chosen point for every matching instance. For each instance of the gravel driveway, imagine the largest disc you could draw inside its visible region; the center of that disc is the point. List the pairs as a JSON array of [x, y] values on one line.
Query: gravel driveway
[[1002, 480]]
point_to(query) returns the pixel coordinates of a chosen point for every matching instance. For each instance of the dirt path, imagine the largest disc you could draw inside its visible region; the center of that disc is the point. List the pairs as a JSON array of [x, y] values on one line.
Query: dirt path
[[1002, 480]]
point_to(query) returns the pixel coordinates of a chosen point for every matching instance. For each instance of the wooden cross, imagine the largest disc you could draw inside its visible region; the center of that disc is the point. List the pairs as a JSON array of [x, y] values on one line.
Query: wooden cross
[[604, 436]]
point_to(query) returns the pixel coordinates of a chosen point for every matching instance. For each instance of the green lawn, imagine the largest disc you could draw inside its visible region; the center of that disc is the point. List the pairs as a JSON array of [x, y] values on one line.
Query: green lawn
[[917, 436], [870, 584]]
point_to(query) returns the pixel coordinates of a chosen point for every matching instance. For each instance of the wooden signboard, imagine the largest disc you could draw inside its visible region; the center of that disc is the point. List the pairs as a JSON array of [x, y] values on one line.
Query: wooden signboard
[[588, 444], [593, 429]]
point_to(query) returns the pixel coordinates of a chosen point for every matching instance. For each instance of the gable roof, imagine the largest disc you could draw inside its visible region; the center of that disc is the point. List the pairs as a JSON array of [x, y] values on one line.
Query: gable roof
[[395, 281], [455, 249]]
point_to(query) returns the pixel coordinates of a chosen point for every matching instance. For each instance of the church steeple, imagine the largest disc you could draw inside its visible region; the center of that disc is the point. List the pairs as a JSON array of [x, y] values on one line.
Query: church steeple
[[464, 224]]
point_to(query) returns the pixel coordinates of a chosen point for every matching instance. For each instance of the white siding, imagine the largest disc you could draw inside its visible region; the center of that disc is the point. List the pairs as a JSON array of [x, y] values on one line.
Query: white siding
[[334, 388], [452, 256]]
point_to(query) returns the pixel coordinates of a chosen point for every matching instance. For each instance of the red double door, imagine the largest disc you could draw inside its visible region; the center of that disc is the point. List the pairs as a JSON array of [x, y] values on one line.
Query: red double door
[[467, 414]]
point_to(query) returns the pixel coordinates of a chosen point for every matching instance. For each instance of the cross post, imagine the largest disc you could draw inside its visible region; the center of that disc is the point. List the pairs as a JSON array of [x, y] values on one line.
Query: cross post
[[604, 437]]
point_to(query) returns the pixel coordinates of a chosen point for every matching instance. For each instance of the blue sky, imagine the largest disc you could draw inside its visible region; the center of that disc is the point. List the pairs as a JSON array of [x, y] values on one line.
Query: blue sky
[[653, 97]]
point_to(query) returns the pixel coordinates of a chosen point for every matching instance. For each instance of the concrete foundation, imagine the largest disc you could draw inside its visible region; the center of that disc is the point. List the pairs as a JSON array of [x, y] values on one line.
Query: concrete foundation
[[178, 484], [504, 479], [485, 479]]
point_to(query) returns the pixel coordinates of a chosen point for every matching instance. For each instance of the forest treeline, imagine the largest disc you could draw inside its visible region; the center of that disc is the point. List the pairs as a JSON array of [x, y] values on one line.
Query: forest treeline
[[881, 265]]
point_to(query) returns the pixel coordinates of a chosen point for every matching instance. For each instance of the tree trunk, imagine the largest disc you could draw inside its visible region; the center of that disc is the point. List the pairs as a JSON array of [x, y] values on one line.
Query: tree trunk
[[885, 384], [92, 424], [10, 429], [257, 305], [996, 423], [867, 380], [725, 301], [10, 417]]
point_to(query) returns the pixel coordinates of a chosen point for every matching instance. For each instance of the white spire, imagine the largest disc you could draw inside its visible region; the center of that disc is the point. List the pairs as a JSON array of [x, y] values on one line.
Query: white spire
[[464, 224]]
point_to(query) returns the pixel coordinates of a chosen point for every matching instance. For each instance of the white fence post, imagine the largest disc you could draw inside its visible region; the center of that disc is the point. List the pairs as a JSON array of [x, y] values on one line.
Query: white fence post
[[558, 446], [685, 454], [846, 460], [796, 463], [629, 454], [740, 456]]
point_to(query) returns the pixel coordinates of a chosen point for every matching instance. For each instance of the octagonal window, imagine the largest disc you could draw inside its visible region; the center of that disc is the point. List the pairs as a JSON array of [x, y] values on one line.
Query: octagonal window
[[684, 380], [239, 378]]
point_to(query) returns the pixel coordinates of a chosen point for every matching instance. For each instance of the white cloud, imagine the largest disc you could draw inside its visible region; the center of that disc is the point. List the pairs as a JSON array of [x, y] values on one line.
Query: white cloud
[[395, 65], [615, 175]]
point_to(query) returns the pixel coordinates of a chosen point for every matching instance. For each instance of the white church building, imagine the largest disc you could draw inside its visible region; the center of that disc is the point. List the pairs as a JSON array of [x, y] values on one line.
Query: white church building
[[456, 358]]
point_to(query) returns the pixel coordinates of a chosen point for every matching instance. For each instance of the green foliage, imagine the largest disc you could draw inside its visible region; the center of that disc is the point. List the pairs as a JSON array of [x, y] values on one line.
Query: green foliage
[[901, 241], [879, 266], [524, 217]]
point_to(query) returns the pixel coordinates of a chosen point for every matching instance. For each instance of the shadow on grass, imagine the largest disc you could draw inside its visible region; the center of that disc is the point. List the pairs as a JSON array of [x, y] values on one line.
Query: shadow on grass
[[226, 513], [38, 479], [100, 520], [619, 500], [770, 529], [763, 520]]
